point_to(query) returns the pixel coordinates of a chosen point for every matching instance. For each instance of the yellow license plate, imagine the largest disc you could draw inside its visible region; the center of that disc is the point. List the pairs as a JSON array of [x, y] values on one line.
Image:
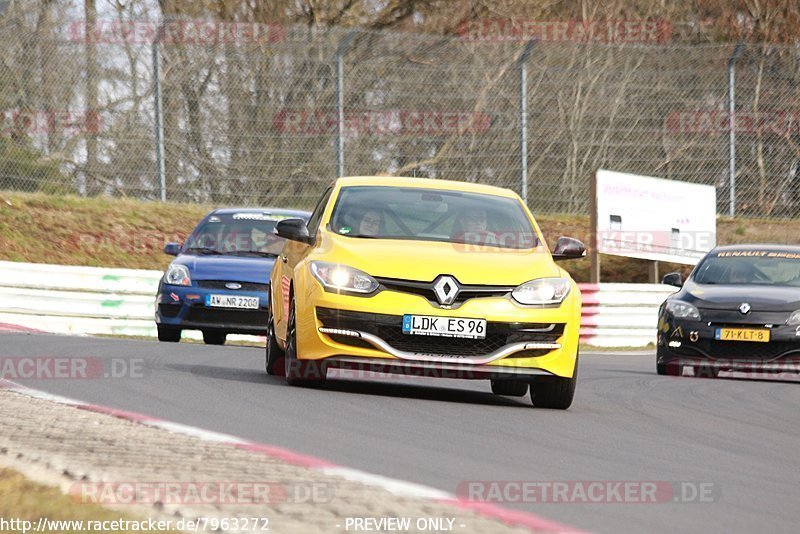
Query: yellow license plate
[[743, 334]]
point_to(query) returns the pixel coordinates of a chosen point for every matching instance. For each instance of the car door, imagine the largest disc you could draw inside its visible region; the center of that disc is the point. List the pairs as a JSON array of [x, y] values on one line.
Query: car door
[[293, 252]]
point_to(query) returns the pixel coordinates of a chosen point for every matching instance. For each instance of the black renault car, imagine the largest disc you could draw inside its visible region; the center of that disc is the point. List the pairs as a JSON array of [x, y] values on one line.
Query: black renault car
[[739, 310]]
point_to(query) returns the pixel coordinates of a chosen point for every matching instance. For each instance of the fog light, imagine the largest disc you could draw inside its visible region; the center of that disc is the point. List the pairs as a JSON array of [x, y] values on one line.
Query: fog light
[[340, 331]]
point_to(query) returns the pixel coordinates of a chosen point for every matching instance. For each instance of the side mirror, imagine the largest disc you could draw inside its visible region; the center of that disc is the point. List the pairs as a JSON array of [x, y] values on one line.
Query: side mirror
[[172, 249], [673, 279], [293, 230], [568, 248]]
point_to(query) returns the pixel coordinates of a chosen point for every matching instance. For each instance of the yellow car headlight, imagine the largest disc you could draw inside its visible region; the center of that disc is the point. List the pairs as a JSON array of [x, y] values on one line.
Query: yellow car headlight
[[338, 278], [542, 291]]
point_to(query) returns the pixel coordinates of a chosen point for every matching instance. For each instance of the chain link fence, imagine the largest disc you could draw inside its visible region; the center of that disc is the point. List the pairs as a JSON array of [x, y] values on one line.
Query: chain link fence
[[257, 114]]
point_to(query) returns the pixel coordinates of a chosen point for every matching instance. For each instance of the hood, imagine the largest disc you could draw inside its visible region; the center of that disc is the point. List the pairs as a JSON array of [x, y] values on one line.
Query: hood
[[729, 297], [425, 260], [241, 269]]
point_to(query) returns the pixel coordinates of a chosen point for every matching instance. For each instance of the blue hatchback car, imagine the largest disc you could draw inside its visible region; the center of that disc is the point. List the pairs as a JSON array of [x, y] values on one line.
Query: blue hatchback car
[[218, 281]]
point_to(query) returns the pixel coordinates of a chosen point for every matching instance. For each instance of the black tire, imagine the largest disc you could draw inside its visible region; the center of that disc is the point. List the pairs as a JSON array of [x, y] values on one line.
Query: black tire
[[554, 392], [168, 334], [272, 359], [706, 371], [214, 337], [511, 388], [299, 372], [669, 369]]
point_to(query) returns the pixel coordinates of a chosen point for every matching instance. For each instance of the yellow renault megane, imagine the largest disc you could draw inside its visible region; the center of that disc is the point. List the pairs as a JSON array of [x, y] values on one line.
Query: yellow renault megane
[[427, 278]]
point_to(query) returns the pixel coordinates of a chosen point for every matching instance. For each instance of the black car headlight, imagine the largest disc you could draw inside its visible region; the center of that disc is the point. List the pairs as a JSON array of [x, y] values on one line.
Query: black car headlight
[[177, 275], [794, 319], [338, 278], [682, 310]]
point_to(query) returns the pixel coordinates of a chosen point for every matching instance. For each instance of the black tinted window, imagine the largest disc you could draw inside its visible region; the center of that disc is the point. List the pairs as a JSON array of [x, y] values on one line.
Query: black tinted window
[[750, 267]]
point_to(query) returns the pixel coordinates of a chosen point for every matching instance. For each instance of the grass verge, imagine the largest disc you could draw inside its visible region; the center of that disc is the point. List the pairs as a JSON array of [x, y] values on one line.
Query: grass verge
[[23, 500], [106, 232]]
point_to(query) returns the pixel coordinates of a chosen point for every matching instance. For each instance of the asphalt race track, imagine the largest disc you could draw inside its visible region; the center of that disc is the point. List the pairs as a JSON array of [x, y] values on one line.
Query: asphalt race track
[[738, 436]]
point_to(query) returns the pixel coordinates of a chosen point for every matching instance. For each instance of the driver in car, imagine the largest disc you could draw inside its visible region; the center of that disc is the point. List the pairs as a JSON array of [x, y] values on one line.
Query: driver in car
[[472, 227]]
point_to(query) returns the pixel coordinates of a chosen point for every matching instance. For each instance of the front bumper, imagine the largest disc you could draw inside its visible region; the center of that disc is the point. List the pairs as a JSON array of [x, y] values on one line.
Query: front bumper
[[184, 307], [419, 369], [695, 343], [520, 341]]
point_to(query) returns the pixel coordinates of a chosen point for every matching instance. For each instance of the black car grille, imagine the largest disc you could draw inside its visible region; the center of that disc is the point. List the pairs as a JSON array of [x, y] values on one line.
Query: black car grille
[[738, 350], [199, 314], [425, 290], [441, 345], [352, 341], [220, 284], [169, 310], [390, 329], [728, 317]]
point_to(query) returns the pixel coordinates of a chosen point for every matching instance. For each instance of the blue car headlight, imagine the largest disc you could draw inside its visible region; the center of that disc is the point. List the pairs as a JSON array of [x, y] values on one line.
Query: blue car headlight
[[177, 275]]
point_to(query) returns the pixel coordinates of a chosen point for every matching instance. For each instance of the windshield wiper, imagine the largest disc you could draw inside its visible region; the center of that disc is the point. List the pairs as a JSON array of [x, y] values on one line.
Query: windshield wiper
[[204, 250], [255, 252]]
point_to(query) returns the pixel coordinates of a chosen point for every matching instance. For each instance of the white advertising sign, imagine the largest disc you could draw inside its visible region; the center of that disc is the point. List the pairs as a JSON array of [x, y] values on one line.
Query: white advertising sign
[[655, 219]]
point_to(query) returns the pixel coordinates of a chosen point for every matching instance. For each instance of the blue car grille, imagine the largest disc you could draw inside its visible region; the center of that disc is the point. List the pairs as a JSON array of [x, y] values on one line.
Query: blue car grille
[[220, 284]]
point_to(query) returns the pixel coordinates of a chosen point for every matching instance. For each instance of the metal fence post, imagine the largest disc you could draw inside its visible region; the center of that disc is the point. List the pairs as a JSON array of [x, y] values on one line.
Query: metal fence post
[[341, 50], [732, 128], [159, 120], [523, 119]]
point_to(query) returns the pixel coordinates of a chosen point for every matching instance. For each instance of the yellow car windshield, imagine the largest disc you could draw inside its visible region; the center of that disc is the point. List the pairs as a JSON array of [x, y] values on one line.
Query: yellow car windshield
[[385, 212]]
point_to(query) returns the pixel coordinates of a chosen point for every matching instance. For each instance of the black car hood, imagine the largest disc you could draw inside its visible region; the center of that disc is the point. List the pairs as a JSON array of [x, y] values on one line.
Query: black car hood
[[730, 297]]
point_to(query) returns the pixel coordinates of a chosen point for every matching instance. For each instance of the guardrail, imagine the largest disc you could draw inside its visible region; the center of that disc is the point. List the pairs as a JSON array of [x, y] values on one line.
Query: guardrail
[[102, 301], [67, 299], [621, 315]]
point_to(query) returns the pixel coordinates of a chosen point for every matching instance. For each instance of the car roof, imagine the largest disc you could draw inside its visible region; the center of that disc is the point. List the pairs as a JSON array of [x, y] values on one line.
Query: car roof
[[429, 183], [758, 246], [274, 211]]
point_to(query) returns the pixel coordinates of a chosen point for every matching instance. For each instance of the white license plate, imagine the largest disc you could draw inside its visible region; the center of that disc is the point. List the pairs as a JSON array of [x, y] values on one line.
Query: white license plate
[[426, 325], [232, 301]]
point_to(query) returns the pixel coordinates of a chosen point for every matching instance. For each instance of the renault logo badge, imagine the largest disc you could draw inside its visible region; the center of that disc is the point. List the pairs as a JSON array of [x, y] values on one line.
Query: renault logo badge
[[744, 308], [446, 289]]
